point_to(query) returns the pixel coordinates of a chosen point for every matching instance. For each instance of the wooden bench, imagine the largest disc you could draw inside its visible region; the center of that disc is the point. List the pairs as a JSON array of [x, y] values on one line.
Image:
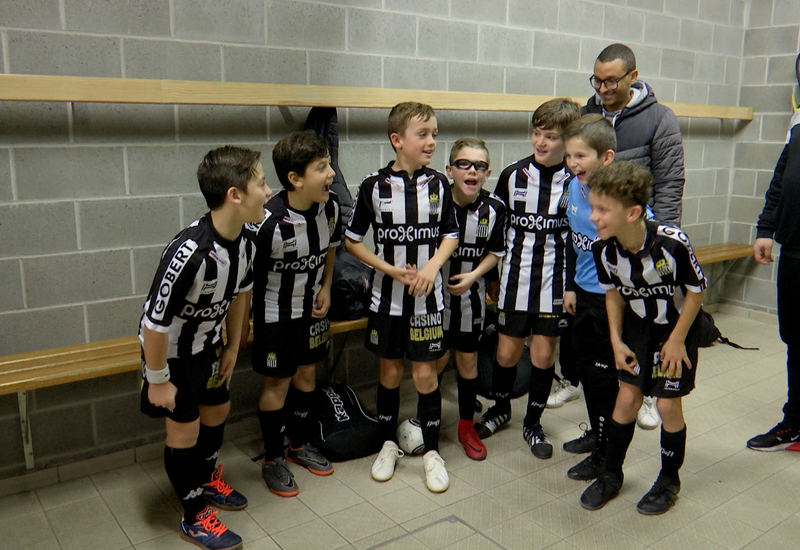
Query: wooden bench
[[724, 252]]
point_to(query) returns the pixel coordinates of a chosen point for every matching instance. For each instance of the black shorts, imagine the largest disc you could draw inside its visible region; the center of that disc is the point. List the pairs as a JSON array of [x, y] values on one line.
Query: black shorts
[[521, 324], [197, 380], [645, 339], [590, 331], [279, 348], [417, 337], [465, 342]]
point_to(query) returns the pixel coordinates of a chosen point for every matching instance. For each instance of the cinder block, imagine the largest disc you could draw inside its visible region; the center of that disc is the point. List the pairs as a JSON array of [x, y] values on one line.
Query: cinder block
[[358, 3], [535, 15], [717, 154], [760, 17], [336, 69], [712, 209], [283, 120], [62, 431], [13, 452], [93, 122], [222, 123], [372, 31], [484, 11], [699, 235], [11, 290], [455, 124], [128, 222], [744, 183], [264, 65], [165, 169], [63, 54], [571, 84], [241, 21], [84, 391], [580, 18], [733, 288], [717, 11], [738, 9], [782, 70], [682, 8], [590, 49], [677, 64], [500, 126], [732, 71], [166, 60], [362, 124], [361, 367], [137, 17], [194, 207], [245, 389], [696, 35], [663, 88], [119, 420], [73, 172], [727, 40], [662, 30], [429, 7], [720, 94], [755, 70], [709, 68], [358, 159], [718, 232], [652, 5], [757, 291], [514, 151], [556, 50], [766, 99], [739, 232], [699, 182], [33, 122], [623, 24], [417, 74], [691, 92], [763, 179], [520, 80], [74, 278], [745, 209], [693, 155], [689, 210], [6, 194], [30, 229], [145, 264], [41, 329], [450, 40], [505, 46], [475, 77], [9, 406], [648, 60], [31, 14], [761, 156], [305, 25], [775, 127], [786, 12], [771, 41]]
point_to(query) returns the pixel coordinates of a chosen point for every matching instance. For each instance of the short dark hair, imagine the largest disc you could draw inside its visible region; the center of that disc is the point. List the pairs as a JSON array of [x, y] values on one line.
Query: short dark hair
[[295, 152], [555, 114], [403, 112], [595, 130], [625, 181], [621, 52], [223, 168], [475, 143]]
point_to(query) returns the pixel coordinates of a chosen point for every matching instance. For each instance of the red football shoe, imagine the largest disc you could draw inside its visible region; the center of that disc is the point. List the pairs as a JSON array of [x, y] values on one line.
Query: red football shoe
[[469, 439]]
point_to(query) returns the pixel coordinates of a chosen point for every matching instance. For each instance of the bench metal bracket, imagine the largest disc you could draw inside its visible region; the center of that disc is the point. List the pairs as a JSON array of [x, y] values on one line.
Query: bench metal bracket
[[25, 424]]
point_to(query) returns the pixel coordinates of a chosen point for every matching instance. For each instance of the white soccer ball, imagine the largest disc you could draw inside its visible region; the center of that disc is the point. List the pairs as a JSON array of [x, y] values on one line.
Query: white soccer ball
[[409, 436]]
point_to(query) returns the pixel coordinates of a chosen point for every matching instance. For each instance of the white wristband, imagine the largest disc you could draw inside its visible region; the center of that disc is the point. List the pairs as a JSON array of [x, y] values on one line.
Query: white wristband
[[157, 376]]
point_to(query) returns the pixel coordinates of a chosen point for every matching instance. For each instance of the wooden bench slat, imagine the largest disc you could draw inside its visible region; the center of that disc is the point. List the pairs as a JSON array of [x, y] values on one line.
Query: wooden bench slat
[[722, 252], [65, 373]]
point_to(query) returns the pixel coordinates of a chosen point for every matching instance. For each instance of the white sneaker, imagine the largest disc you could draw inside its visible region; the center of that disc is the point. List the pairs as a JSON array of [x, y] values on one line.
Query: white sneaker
[[563, 392], [647, 418], [383, 467], [436, 477]]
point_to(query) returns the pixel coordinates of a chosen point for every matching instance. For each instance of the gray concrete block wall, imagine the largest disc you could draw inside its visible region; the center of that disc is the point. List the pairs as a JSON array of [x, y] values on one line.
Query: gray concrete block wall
[[90, 193]]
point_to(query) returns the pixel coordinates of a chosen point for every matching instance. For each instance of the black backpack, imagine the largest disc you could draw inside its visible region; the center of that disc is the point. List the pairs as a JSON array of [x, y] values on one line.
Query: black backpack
[[350, 294], [708, 333], [347, 430]]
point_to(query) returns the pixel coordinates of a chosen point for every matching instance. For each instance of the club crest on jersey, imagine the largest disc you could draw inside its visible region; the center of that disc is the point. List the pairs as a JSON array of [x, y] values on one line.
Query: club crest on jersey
[[434, 199], [373, 337], [663, 268], [563, 202], [331, 225], [272, 360], [501, 318], [385, 205], [290, 245], [574, 209], [217, 258], [483, 228], [209, 287]]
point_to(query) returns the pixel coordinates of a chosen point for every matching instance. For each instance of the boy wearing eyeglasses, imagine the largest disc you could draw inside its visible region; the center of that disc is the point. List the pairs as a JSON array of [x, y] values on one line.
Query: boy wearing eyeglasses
[[481, 243]]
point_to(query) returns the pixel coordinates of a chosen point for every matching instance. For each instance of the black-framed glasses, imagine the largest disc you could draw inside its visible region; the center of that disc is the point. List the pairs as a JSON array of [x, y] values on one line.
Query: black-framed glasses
[[464, 164], [611, 83]]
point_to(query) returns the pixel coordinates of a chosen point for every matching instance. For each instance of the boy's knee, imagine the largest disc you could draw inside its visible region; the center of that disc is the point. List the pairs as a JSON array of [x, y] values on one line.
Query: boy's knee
[[214, 415], [275, 385], [182, 435], [628, 402], [391, 372], [509, 350], [425, 377], [306, 378], [670, 408]]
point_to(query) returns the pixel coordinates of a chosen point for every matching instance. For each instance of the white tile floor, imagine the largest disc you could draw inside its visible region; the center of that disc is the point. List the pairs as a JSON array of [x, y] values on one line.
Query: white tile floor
[[731, 498]]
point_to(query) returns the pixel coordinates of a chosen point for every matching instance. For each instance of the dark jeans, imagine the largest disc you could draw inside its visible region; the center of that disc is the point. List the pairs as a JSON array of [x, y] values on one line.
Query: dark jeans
[[789, 323]]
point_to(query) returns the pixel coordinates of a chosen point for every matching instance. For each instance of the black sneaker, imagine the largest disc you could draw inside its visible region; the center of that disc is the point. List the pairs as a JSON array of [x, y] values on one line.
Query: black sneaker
[[777, 439], [586, 443], [601, 491], [660, 498], [587, 469], [492, 420], [540, 445], [278, 478]]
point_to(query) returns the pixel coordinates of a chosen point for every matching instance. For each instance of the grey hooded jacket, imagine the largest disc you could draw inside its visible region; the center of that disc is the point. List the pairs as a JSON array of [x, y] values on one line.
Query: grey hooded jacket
[[648, 133]]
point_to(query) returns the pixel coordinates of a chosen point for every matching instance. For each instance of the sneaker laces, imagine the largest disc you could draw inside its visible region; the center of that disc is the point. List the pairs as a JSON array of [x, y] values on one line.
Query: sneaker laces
[[387, 451], [210, 523], [433, 461], [563, 384], [218, 484]]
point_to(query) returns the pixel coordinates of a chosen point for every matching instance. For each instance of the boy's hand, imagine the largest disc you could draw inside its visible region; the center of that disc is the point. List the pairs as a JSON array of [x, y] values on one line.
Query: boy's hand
[[625, 359], [162, 395], [226, 363], [762, 251], [464, 282], [403, 275], [673, 356], [570, 302], [424, 281], [493, 291], [322, 303]]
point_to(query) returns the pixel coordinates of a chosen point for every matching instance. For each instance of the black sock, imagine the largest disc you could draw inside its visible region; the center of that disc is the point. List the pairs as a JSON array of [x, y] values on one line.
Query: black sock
[[429, 411], [272, 429], [388, 405], [673, 451], [502, 384], [601, 428], [618, 439], [209, 442], [538, 392], [467, 394], [185, 471], [303, 416]]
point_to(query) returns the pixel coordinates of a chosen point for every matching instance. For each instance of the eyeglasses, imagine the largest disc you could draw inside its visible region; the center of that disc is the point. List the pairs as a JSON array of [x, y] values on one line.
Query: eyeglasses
[[464, 164], [611, 83]]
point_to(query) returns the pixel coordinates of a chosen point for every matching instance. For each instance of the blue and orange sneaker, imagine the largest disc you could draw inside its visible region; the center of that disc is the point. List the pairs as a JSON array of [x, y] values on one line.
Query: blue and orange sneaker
[[223, 496], [209, 532]]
